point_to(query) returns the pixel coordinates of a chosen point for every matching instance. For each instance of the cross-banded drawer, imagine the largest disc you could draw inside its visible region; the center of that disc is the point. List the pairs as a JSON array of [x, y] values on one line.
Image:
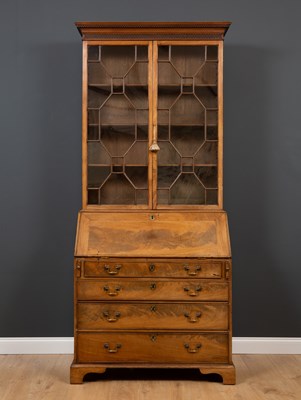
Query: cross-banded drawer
[[154, 347], [116, 315], [146, 289], [207, 269]]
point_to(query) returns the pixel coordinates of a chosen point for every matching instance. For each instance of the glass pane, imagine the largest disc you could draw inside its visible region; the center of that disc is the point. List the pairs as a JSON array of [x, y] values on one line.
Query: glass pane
[[93, 53], [211, 196], [137, 154], [212, 53], [97, 74], [187, 190], [167, 175], [97, 154], [117, 60], [137, 96], [187, 139], [97, 175], [138, 176], [207, 154], [117, 190], [207, 95], [168, 155], [118, 125], [93, 196], [187, 110], [141, 196], [168, 75], [117, 139], [207, 74], [188, 59], [208, 176], [187, 124], [137, 75], [117, 110], [163, 196]]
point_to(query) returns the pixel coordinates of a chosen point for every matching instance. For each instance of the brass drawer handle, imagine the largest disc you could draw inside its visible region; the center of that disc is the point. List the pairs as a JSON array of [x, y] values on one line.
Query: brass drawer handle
[[153, 286], [194, 272], [109, 350], [112, 270], [193, 319], [194, 349], [111, 292], [111, 318], [192, 291]]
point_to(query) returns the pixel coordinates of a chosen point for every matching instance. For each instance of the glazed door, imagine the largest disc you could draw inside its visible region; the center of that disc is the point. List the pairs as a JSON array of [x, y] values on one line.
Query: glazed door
[[152, 125], [188, 121], [116, 115]]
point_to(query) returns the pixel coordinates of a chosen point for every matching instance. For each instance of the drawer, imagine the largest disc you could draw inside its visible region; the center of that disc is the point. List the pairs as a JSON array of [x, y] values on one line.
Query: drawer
[[153, 268], [152, 347], [142, 289], [100, 316]]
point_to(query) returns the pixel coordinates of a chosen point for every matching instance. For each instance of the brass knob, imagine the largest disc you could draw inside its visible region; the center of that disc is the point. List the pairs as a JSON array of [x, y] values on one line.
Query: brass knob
[[152, 286]]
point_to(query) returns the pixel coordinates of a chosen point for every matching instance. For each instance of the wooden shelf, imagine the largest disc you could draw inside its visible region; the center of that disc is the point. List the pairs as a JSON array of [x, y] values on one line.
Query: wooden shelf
[[126, 165], [176, 85], [109, 86]]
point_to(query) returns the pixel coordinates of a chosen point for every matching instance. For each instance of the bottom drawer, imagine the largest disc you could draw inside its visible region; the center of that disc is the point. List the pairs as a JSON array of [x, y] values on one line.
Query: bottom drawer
[[152, 347]]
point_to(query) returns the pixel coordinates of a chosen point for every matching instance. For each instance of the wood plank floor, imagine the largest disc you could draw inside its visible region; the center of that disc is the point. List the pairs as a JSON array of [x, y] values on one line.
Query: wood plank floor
[[46, 377]]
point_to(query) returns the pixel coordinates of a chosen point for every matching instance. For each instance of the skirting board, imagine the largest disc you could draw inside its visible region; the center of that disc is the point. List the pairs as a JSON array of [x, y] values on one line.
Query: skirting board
[[64, 345]]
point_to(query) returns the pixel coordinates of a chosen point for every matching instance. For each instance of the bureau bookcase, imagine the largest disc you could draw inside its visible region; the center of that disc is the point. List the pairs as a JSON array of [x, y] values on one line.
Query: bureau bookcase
[[152, 266]]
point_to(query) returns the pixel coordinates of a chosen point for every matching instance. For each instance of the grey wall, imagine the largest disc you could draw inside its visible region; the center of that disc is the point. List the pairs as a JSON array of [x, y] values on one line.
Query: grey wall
[[40, 127]]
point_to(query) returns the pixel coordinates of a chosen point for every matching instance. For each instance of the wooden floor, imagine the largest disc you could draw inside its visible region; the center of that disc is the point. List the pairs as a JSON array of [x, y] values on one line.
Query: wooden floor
[[46, 377]]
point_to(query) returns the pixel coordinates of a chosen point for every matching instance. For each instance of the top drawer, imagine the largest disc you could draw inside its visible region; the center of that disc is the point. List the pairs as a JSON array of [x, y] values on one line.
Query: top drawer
[[210, 269]]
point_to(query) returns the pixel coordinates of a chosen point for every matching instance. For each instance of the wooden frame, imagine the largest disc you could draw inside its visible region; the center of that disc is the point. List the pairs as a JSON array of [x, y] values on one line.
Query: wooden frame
[[219, 206], [85, 204]]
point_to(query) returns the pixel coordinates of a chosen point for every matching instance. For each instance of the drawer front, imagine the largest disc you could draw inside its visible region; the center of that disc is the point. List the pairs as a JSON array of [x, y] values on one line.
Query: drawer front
[[153, 268], [152, 347], [141, 289], [101, 316]]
